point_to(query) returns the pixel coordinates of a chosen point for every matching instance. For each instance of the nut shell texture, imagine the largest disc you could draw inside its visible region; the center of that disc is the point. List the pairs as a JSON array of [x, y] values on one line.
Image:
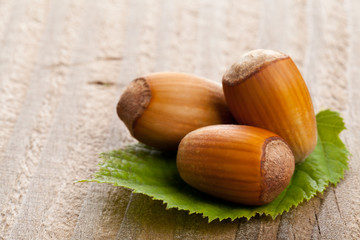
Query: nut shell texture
[[241, 164], [161, 108], [265, 89]]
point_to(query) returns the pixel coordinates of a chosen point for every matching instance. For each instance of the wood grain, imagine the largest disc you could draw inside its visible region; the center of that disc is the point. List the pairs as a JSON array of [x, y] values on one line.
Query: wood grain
[[56, 115]]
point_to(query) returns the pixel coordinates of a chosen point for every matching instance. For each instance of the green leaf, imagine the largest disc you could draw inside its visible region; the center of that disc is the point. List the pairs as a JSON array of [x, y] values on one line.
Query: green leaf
[[154, 173]]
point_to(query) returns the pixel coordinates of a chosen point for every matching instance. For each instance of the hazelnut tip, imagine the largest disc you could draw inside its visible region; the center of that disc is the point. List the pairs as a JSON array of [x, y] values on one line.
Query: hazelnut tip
[[277, 168], [250, 63], [133, 102]]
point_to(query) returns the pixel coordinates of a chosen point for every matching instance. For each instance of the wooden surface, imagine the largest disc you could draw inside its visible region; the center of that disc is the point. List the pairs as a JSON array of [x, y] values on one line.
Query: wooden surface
[[64, 64]]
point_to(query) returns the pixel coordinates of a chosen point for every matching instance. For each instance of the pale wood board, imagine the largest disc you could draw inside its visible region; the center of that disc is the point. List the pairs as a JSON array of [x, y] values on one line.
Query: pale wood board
[[55, 117]]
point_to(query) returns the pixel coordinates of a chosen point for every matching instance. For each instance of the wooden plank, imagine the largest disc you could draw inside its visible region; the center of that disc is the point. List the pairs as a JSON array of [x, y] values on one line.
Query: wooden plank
[[51, 170], [6, 14], [93, 216], [332, 92], [209, 54], [17, 120], [347, 191], [243, 20], [17, 62]]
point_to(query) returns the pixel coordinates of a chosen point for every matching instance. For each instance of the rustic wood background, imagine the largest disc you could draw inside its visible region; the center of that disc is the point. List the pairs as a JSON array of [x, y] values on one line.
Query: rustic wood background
[[64, 64]]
